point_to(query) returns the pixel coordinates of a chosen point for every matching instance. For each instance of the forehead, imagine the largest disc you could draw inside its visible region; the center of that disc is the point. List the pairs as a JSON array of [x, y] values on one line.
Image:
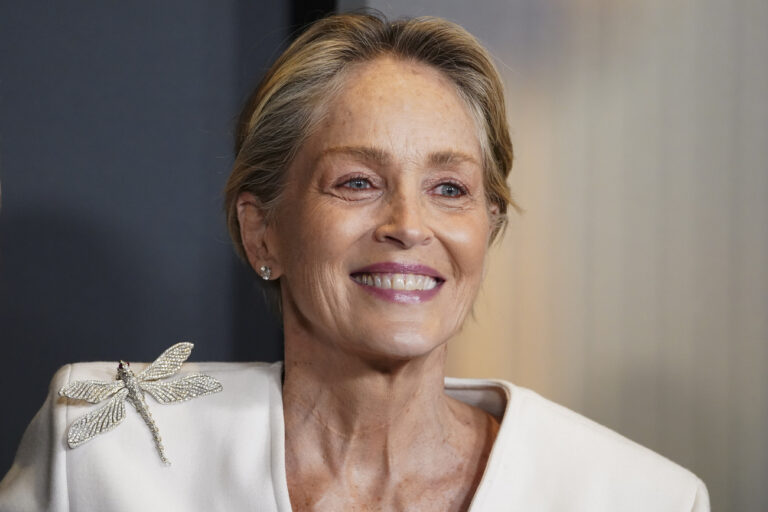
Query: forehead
[[403, 108]]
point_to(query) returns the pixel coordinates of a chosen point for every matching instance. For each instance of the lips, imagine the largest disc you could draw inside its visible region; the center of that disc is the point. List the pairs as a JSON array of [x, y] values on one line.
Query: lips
[[399, 282]]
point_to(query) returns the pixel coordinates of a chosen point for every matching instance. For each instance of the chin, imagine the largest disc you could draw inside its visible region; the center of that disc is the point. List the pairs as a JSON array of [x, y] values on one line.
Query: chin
[[398, 348]]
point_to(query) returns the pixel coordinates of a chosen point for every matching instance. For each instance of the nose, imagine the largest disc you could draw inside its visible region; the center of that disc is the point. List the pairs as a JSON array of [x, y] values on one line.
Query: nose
[[404, 223]]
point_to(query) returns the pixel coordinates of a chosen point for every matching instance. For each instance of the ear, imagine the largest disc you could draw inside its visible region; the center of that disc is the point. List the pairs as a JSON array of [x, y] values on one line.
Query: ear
[[254, 233], [493, 214], [494, 226]]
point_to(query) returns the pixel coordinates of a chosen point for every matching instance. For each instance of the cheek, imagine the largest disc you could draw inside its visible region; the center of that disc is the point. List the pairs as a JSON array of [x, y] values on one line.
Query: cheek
[[467, 244], [314, 242], [320, 236], [467, 241]]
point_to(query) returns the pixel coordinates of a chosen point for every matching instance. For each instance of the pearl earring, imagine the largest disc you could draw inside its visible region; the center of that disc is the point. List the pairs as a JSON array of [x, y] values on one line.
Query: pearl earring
[[266, 272]]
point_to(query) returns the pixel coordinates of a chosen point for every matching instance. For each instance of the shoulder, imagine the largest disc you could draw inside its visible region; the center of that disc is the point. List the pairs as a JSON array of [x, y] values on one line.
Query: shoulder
[[233, 428], [588, 457], [539, 418], [543, 447]]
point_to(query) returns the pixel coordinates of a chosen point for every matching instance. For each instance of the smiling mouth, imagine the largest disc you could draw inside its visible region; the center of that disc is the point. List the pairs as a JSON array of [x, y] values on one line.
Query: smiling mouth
[[391, 281]]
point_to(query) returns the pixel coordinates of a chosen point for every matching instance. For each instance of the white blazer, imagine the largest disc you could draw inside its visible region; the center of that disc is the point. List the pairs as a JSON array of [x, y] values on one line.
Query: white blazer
[[227, 454]]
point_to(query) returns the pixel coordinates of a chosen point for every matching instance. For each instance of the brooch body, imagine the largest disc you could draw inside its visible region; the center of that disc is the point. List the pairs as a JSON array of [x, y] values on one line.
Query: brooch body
[[131, 387]]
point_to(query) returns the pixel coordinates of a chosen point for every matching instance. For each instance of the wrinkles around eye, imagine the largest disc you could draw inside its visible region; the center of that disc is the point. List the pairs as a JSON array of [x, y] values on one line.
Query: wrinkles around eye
[[362, 187]]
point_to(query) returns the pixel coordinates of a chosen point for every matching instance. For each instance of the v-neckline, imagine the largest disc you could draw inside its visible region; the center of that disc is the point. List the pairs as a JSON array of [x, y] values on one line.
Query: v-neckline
[[491, 396]]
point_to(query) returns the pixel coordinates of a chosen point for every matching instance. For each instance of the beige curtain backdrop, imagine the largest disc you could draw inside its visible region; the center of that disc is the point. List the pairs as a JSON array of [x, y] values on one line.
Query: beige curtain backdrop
[[635, 287]]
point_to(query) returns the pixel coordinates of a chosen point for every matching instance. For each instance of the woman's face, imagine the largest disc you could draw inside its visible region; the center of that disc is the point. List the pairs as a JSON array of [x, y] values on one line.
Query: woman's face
[[381, 234]]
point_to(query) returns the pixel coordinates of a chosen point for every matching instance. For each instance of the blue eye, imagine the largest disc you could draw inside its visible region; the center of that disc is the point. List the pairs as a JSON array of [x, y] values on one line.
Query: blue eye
[[358, 183], [450, 190]]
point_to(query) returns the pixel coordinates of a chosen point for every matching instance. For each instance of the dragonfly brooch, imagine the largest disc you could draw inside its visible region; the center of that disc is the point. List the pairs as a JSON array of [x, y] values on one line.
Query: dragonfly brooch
[[131, 387]]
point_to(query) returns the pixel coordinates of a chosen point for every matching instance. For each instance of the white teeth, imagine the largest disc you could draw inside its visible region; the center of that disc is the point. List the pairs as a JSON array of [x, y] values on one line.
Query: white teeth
[[397, 281]]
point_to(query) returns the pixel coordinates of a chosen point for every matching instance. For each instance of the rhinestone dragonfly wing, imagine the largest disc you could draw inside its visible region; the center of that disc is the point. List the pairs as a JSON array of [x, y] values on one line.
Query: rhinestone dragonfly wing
[[182, 389], [101, 420], [168, 363], [93, 391]]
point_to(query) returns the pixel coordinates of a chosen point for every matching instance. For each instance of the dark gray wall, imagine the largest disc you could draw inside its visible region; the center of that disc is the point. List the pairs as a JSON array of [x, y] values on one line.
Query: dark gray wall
[[116, 123]]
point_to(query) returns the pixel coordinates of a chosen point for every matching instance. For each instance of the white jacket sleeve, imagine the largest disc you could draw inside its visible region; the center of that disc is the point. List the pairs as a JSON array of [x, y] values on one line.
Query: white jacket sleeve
[[701, 500], [37, 480]]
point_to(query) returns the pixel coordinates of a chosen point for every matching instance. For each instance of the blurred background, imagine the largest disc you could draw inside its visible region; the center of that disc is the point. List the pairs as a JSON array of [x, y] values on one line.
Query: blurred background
[[634, 288]]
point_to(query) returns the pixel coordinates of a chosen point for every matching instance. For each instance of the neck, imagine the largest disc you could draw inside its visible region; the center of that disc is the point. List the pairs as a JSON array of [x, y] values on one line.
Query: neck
[[355, 397], [362, 412], [360, 430]]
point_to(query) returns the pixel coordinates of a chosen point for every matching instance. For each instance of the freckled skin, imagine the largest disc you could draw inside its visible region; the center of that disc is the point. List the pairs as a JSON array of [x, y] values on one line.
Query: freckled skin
[[319, 239], [368, 426]]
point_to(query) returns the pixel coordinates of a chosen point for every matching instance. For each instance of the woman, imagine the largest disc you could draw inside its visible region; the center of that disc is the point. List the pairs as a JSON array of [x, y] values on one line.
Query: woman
[[369, 181]]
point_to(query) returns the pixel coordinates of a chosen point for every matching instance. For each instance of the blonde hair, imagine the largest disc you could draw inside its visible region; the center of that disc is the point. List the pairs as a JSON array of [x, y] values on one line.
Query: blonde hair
[[288, 103]]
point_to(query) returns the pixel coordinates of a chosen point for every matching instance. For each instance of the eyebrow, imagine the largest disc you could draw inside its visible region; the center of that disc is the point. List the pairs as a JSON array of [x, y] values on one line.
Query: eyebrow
[[443, 158], [381, 157], [370, 154]]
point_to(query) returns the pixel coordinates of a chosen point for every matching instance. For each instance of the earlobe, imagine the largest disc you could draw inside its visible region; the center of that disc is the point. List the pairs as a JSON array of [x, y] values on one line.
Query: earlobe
[[253, 233]]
